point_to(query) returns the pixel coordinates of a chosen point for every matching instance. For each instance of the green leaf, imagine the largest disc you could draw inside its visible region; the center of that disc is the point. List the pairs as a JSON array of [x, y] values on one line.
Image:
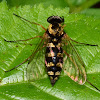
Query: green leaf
[[92, 12], [79, 27]]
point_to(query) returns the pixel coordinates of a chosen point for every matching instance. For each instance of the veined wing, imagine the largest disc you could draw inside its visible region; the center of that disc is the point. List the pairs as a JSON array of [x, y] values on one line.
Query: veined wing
[[36, 66], [73, 65]]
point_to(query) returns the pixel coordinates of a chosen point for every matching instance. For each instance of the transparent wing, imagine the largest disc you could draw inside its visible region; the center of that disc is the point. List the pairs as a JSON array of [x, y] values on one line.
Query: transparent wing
[[73, 64], [36, 65]]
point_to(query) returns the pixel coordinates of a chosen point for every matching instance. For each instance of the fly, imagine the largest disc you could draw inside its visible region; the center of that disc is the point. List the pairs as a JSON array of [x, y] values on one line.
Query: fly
[[57, 45]]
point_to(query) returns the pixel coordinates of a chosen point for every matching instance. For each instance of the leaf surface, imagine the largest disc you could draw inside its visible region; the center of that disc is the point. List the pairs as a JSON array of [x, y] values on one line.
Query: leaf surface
[[79, 27]]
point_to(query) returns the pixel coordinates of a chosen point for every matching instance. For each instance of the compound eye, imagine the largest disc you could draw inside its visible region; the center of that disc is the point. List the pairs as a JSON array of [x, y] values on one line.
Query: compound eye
[[55, 19]]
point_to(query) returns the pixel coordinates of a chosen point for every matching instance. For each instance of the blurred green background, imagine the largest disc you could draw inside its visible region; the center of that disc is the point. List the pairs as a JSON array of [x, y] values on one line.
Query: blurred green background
[[74, 5]]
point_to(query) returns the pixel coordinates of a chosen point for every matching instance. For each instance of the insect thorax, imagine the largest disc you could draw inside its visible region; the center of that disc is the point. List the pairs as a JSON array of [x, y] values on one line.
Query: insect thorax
[[54, 52]]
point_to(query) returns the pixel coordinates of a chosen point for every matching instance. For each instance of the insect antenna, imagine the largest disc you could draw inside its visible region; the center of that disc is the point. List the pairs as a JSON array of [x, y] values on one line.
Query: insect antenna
[[93, 85], [30, 21]]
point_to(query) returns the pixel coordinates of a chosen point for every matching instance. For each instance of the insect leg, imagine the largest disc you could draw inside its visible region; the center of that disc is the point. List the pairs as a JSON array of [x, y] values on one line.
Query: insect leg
[[23, 40], [83, 43], [18, 43], [93, 85], [30, 21], [18, 65], [26, 59]]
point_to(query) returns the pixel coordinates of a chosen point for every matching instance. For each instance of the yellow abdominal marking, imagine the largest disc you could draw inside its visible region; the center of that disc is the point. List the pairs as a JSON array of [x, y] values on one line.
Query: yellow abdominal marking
[[57, 73], [59, 55], [59, 45], [59, 65], [51, 77], [51, 54], [50, 73], [55, 78], [50, 64], [50, 45]]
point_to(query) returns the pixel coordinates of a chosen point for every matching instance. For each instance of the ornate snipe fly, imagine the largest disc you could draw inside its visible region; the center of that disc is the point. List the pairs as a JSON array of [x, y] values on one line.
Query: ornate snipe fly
[[60, 53]]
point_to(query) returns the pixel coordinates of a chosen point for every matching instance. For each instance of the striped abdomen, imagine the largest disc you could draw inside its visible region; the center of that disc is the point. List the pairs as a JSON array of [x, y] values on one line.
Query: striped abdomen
[[53, 61]]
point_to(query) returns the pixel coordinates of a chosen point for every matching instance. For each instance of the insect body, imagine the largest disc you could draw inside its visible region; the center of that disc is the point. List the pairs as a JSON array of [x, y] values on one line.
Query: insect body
[[57, 46], [54, 51]]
